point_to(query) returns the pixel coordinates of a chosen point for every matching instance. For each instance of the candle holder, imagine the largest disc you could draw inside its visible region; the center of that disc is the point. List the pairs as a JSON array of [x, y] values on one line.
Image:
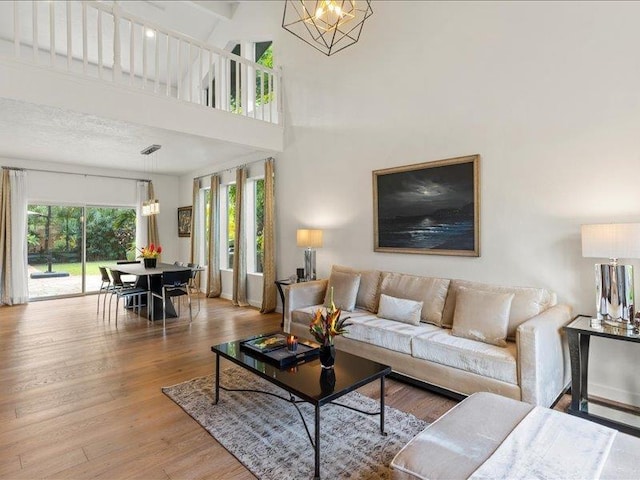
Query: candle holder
[[292, 343]]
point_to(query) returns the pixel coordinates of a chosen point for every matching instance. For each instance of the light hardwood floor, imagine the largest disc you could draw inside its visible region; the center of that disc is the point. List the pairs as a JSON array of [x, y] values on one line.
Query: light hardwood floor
[[81, 399]]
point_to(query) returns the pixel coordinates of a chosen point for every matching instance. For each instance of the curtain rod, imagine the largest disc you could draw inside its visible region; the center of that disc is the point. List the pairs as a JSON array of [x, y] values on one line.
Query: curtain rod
[[76, 173], [232, 168]]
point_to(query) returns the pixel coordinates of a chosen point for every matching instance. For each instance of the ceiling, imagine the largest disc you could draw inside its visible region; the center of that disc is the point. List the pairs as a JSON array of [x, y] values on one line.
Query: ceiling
[[38, 132]]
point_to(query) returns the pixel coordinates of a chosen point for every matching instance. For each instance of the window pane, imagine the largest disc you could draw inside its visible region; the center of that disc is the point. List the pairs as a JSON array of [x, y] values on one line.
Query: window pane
[[259, 225], [231, 223]]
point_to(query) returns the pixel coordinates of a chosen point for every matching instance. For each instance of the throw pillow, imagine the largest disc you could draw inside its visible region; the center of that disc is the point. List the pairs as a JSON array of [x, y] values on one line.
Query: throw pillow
[[345, 290], [399, 309], [482, 316], [369, 289]]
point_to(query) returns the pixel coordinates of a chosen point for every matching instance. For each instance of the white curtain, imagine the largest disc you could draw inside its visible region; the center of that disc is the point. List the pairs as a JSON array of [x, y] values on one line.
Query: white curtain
[[19, 282], [142, 192], [196, 215]]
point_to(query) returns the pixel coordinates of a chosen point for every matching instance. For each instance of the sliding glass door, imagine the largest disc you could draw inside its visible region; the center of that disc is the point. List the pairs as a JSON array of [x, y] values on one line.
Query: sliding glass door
[[65, 251]]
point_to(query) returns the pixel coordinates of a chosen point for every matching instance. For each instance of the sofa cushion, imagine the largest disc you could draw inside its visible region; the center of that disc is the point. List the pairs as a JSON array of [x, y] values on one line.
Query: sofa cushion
[[344, 286], [386, 333], [475, 357], [399, 309], [431, 291], [482, 316], [369, 289], [527, 302], [303, 316]]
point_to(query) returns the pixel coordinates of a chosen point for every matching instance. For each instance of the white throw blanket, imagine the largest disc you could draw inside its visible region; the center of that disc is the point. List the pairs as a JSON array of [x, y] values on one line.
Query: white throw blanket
[[550, 445]]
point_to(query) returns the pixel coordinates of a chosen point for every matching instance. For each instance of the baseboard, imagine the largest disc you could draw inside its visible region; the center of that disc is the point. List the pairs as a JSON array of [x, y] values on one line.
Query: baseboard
[[253, 303], [617, 395]]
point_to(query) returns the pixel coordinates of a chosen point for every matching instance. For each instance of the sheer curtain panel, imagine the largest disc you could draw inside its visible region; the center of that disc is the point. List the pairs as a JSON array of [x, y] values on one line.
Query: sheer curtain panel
[[152, 220], [214, 280], [269, 260], [13, 242], [239, 294], [142, 194]]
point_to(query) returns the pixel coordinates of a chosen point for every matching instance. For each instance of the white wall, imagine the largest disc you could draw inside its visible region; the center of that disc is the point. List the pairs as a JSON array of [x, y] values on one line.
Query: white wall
[[96, 191], [545, 92]]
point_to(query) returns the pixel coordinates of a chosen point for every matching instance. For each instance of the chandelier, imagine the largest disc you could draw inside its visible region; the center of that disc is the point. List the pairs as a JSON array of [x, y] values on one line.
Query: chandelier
[[326, 25], [151, 206]]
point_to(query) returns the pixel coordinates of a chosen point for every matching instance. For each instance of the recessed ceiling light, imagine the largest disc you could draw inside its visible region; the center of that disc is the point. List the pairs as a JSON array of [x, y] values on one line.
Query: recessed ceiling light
[[149, 33]]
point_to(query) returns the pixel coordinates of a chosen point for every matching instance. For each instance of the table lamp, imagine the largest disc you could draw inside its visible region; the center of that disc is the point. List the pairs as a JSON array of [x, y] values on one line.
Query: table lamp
[[309, 240], [614, 282]]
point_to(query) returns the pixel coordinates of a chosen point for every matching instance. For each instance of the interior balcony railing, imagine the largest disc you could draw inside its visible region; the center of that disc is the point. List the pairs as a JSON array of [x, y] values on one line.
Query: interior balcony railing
[[102, 41]]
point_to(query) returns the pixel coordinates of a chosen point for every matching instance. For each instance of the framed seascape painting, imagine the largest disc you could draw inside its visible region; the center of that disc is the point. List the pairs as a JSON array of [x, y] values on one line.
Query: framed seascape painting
[[184, 221], [429, 208]]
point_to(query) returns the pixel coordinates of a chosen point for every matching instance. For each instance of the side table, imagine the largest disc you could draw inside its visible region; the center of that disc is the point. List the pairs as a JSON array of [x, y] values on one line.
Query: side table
[[579, 333]]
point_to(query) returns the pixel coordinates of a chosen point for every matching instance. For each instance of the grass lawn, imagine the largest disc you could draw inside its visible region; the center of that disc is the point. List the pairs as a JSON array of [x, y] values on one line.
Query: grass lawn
[[75, 268]]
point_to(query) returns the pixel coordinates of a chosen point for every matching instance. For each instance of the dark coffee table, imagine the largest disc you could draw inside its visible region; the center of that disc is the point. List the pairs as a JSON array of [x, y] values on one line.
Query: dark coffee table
[[309, 382]]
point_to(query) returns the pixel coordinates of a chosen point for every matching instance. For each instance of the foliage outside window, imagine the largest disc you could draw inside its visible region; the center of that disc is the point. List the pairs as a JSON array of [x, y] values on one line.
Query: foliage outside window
[[259, 224], [54, 233], [231, 223]]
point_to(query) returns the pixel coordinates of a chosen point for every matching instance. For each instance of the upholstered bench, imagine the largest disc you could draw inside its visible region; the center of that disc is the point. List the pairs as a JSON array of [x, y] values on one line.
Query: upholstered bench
[[462, 440]]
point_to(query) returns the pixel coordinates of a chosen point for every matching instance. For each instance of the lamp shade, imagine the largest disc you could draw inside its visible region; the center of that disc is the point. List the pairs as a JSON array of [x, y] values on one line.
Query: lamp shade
[[309, 238], [611, 240]]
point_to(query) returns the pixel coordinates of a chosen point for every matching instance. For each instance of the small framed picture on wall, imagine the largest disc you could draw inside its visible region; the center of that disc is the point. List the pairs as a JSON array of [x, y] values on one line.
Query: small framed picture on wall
[[184, 221]]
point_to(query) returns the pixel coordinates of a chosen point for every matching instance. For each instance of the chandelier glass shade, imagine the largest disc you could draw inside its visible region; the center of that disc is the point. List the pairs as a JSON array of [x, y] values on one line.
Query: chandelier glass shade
[[150, 207], [326, 25]]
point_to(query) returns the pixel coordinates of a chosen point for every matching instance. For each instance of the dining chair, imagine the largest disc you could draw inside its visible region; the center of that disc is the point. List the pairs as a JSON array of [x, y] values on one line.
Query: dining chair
[[106, 287], [193, 281], [122, 290], [174, 284]]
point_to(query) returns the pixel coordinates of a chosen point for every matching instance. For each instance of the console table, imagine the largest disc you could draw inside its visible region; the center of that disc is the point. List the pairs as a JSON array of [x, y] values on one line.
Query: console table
[[579, 333]]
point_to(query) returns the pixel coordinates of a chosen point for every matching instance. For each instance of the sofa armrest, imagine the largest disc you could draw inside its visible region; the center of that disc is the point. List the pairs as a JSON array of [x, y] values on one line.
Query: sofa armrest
[[300, 295], [543, 356]]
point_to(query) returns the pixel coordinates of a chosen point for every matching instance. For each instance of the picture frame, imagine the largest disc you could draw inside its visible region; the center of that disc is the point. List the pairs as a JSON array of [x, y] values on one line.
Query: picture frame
[[430, 208], [184, 221]]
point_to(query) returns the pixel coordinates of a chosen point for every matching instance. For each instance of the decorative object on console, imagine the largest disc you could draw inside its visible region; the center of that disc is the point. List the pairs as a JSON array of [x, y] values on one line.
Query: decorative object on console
[[300, 274], [428, 208], [184, 221], [614, 282], [327, 25], [309, 240]]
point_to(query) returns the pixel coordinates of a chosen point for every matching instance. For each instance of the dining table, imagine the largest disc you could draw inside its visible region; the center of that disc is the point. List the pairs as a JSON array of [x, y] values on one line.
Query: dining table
[[151, 279]]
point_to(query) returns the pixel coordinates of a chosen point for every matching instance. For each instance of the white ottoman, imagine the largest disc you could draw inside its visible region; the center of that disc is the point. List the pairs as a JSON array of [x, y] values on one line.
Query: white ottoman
[[459, 442]]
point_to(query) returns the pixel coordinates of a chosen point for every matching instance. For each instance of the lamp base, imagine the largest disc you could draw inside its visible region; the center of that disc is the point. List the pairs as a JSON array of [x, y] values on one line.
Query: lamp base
[[614, 285], [310, 264]]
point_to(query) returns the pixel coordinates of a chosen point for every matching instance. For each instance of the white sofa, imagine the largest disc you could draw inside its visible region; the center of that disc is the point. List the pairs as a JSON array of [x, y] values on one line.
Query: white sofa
[[533, 366]]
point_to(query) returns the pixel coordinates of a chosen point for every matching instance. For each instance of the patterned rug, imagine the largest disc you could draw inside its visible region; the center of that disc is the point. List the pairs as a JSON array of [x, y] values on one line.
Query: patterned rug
[[267, 436]]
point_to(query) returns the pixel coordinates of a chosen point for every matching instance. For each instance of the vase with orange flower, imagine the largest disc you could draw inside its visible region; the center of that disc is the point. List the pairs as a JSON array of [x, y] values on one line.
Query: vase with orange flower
[[325, 327], [150, 255]]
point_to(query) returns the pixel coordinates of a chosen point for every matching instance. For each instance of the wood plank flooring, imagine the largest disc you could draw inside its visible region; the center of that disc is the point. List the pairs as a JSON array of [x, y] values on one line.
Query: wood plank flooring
[[81, 399]]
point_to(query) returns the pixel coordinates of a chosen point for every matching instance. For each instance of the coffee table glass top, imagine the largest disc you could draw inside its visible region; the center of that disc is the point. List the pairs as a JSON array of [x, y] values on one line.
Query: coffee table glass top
[[304, 380]]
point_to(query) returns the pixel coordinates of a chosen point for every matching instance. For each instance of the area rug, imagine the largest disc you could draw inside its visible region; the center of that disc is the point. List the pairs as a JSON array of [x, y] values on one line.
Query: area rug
[[267, 436]]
